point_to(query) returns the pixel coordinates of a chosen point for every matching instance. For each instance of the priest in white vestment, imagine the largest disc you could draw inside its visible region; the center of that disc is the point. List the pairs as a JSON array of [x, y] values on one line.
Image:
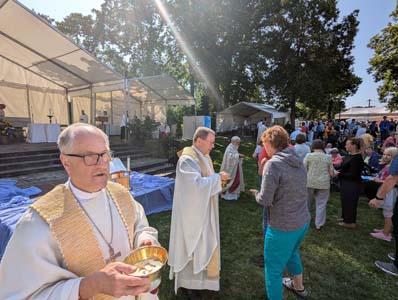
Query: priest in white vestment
[[83, 117], [232, 164], [71, 243], [194, 248]]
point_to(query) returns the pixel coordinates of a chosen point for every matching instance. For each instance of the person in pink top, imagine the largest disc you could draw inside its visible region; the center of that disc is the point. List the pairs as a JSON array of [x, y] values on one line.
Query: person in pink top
[[385, 233], [336, 157], [263, 157]]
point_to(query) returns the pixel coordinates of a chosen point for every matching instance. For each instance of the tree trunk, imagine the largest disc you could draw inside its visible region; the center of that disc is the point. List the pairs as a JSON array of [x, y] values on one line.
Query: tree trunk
[[330, 108], [293, 112]]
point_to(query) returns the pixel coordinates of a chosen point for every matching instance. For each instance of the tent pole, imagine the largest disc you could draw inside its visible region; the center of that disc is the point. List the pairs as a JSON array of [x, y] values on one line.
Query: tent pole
[[28, 102], [68, 107], [92, 105], [126, 111], [111, 110]]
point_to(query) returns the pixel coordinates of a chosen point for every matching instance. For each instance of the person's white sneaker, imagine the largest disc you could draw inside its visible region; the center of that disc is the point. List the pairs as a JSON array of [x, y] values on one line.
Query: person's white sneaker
[[391, 256], [388, 268]]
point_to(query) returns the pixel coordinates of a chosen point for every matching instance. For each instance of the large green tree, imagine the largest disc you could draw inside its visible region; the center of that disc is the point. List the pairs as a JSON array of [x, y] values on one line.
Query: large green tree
[[308, 53], [280, 51], [384, 63], [217, 39], [128, 35]]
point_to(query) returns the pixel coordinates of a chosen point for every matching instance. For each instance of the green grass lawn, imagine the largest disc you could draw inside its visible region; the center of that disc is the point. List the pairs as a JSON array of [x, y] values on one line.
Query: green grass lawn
[[338, 262]]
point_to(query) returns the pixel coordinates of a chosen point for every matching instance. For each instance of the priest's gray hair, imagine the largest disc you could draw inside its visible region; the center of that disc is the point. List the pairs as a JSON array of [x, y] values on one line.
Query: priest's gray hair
[[70, 133], [202, 132], [235, 139]]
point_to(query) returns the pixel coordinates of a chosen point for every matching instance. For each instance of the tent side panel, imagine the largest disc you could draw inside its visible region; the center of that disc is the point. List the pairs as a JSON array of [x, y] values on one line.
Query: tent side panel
[[15, 100], [80, 103], [42, 104], [118, 107]]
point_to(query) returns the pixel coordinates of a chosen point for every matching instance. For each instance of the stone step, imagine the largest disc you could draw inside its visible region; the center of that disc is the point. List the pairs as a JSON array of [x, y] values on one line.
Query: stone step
[[130, 152], [125, 146], [54, 150], [28, 153], [145, 164], [23, 164], [160, 169], [24, 157], [31, 170], [50, 157]]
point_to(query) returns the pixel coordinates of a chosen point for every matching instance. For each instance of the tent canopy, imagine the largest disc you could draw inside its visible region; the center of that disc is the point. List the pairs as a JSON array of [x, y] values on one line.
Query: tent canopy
[[41, 68], [366, 113], [247, 109], [31, 43], [159, 88], [234, 116], [147, 96]]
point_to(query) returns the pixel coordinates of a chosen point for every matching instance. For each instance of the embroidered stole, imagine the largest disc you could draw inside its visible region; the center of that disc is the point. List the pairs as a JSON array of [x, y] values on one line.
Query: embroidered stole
[[74, 232]]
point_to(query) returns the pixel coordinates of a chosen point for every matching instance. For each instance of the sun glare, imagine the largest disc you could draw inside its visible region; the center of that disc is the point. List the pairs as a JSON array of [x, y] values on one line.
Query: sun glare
[[187, 51]]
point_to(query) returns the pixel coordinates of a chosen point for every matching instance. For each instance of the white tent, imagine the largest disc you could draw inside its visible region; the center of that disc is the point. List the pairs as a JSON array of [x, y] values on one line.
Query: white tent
[[145, 96], [41, 70], [40, 66], [233, 117], [155, 93], [367, 113]]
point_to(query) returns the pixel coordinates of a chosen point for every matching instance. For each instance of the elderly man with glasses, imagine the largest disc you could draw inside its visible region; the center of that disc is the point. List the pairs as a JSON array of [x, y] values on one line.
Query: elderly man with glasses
[[71, 243]]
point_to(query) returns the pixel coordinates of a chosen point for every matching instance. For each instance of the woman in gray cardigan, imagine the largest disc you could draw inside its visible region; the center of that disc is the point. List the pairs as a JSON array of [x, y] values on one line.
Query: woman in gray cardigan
[[284, 193]]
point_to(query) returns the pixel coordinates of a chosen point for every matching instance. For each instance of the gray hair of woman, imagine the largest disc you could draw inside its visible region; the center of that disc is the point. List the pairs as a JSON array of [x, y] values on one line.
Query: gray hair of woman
[[235, 139], [391, 150], [318, 145]]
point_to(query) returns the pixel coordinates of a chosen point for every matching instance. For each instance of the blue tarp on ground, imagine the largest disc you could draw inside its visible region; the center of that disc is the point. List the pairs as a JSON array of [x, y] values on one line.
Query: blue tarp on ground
[[13, 203], [8, 189], [154, 193]]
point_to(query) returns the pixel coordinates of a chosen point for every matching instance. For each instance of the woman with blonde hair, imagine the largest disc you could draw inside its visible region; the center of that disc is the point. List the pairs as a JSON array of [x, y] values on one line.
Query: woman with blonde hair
[[284, 193], [367, 140]]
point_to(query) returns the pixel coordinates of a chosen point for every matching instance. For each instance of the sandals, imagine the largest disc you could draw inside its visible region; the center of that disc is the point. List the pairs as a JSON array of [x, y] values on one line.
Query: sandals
[[288, 283]]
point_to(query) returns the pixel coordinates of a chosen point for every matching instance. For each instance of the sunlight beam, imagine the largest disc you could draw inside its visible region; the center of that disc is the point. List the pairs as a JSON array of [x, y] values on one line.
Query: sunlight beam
[[188, 52]]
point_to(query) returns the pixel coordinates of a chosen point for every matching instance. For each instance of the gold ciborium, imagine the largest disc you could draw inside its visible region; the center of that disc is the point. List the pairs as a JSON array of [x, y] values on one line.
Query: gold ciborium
[[143, 256], [224, 183]]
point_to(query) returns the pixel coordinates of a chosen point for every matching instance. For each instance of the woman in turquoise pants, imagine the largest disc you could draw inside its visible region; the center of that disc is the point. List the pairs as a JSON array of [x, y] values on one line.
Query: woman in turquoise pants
[[284, 193]]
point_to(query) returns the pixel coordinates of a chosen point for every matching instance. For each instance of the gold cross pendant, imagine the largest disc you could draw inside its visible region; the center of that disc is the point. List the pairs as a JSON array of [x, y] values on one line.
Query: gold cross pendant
[[112, 255]]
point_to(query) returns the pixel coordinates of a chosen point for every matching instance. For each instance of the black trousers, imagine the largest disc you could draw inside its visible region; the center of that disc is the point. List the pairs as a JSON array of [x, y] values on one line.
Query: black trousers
[[371, 188], [395, 231], [122, 132], [349, 195]]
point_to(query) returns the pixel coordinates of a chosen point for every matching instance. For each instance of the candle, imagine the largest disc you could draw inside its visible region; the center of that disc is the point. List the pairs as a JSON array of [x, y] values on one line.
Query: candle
[[128, 163]]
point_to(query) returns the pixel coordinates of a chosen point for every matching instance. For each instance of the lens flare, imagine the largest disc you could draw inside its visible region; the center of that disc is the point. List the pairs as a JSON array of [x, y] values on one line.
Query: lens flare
[[188, 52]]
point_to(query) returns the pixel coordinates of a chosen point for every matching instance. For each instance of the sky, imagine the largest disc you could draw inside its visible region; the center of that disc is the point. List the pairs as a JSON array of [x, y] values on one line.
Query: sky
[[373, 17]]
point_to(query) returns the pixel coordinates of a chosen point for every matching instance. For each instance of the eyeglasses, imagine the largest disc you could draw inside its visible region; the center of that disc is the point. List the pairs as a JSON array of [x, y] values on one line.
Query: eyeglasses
[[210, 142], [93, 159]]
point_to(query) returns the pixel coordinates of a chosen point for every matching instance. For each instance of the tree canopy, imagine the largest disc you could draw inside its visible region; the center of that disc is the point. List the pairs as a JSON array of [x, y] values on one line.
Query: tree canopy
[[384, 63], [276, 51]]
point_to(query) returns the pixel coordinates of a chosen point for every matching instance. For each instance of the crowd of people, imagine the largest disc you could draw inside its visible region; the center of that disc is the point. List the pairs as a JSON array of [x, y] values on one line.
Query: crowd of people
[[79, 234], [354, 157]]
